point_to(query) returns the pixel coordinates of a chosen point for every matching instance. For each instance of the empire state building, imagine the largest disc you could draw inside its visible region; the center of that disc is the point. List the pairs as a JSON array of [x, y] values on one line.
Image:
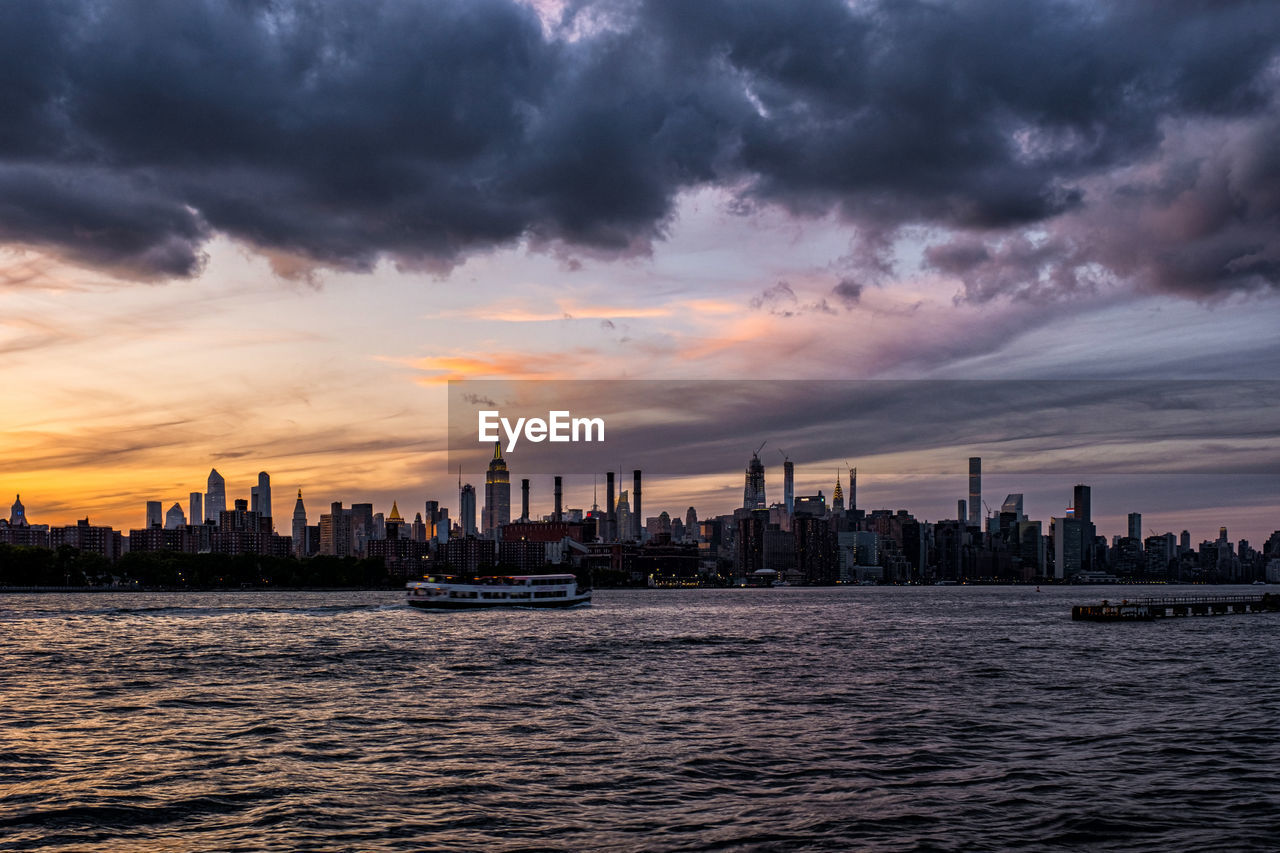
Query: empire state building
[[497, 495]]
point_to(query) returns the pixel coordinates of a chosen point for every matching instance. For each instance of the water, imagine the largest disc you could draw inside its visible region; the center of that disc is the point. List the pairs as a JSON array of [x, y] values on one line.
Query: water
[[949, 718]]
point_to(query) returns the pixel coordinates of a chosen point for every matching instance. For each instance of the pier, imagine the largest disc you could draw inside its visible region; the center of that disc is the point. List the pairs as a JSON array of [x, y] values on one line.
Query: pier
[[1150, 609]]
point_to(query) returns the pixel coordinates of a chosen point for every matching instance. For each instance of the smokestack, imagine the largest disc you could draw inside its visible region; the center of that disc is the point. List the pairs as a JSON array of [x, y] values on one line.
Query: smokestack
[[557, 516], [610, 513], [524, 500], [638, 524]]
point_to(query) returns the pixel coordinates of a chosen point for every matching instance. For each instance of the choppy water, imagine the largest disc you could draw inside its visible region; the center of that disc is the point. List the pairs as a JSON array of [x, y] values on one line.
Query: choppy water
[[788, 719]]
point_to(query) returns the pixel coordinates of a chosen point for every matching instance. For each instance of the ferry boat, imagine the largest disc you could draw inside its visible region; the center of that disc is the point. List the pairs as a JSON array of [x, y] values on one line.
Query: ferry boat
[[456, 592]]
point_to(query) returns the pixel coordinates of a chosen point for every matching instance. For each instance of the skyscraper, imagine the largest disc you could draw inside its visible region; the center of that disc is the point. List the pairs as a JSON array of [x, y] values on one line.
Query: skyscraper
[[625, 528], [1135, 526], [753, 490], [837, 498], [155, 517], [362, 527], [853, 489], [497, 494], [788, 484], [975, 491], [637, 520], [196, 508], [215, 497], [1082, 511], [174, 519], [300, 528], [610, 532], [467, 509], [264, 495], [1082, 504]]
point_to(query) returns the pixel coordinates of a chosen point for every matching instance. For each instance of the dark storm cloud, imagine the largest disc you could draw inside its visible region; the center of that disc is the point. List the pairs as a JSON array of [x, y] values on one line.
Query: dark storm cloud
[[340, 133], [849, 292]]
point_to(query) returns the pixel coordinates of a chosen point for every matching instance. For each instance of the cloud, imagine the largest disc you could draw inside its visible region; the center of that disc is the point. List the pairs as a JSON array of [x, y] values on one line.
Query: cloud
[[342, 134], [849, 292], [777, 294]]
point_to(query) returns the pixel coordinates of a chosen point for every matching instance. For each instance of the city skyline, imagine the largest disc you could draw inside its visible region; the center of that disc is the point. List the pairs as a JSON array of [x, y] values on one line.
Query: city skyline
[[297, 284], [1112, 515]]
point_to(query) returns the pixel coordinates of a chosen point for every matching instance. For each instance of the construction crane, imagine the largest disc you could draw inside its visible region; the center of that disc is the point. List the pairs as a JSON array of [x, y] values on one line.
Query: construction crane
[[785, 457], [761, 447]]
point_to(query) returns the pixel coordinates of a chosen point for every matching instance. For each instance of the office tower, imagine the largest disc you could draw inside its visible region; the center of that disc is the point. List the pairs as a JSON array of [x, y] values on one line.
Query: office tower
[[442, 527], [558, 513], [174, 519], [215, 496], [335, 531], [624, 517], [299, 528], [1013, 506], [837, 497], [1082, 505], [419, 529], [497, 494], [264, 495], [1184, 542], [691, 524], [975, 491], [753, 490], [524, 499], [788, 484], [1068, 547], [1222, 534], [610, 532], [1135, 526], [154, 514], [362, 529], [853, 489], [1083, 513], [961, 514], [467, 509], [431, 517], [635, 510], [195, 509]]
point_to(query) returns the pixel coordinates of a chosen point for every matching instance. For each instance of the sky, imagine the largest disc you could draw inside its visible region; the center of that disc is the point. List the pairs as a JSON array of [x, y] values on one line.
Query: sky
[[266, 235]]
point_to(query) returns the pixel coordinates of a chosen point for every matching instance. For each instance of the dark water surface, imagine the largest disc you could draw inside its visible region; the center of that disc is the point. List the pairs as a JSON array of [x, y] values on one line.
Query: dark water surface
[[950, 718]]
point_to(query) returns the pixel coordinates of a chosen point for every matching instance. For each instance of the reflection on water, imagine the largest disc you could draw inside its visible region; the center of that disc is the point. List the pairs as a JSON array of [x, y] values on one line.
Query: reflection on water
[[824, 719]]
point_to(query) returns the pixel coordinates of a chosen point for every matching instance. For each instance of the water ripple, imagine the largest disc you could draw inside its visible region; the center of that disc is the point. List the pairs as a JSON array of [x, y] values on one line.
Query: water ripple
[[940, 719]]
